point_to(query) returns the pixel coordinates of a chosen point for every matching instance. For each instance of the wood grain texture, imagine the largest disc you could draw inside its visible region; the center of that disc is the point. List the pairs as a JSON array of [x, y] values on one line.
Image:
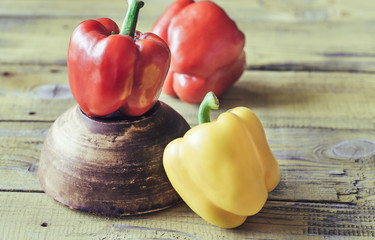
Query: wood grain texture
[[317, 164], [35, 216], [20, 145], [265, 10], [280, 35], [280, 99], [39, 93], [310, 79]]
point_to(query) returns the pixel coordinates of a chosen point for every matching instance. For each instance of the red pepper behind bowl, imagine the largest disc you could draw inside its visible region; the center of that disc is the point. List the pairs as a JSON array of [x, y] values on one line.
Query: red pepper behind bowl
[[206, 48]]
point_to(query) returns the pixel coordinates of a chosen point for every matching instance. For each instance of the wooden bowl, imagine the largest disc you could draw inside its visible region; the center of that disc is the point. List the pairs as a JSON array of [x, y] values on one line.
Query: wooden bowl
[[110, 166]]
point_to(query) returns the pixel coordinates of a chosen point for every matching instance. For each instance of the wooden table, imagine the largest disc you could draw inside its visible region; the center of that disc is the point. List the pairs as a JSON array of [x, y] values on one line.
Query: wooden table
[[310, 79]]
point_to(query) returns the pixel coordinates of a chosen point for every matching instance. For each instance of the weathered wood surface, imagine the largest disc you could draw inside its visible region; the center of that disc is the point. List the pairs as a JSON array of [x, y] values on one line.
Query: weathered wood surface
[[310, 79], [327, 165], [281, 99], [317, 35], [41, 218]]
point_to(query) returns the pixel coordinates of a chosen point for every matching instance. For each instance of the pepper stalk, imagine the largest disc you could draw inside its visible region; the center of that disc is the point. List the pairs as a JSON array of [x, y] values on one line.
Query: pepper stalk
[[131, 18], [209, 102]]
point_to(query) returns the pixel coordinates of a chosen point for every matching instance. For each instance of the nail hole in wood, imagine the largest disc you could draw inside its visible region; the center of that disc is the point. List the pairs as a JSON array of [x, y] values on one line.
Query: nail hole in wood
[[32, 113], [31, 168], [6, 74], [44, 224]]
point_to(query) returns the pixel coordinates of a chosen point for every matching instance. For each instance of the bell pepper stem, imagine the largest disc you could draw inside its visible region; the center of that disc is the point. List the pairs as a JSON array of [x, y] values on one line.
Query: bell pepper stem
[[209, 102], [130, 20]]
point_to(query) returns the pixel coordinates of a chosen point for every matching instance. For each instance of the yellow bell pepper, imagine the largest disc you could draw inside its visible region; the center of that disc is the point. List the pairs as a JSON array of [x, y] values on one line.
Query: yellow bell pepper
[[223, 169]]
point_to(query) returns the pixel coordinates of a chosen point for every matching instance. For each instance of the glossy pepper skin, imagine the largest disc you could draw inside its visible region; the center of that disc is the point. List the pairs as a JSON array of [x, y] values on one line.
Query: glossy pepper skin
[[206, 47], [223, 169], [110, 70]]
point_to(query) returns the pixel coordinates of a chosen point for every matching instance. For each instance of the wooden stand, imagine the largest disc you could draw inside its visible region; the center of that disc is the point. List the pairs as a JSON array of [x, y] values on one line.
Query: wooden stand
[[111, 167]]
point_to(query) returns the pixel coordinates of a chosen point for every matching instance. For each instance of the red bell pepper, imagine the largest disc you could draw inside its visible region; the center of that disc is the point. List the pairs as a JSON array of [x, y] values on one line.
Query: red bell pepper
[[112, 70], [206, 48]]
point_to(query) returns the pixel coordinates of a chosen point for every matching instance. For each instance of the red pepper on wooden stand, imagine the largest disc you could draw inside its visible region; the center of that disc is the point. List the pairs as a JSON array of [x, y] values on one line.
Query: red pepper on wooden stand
[[206, 48], [105, 156], [112, 70]]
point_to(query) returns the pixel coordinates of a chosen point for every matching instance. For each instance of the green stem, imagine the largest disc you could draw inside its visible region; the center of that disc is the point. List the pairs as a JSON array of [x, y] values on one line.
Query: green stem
[[209, 102], [130, 20]]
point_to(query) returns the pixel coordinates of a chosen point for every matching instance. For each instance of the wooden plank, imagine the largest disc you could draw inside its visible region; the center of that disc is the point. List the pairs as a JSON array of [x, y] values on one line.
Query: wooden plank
[[316, 164], [71, 8], [306, 99], [20, 146], [38, 93], [320, 125], [300, 46], [265, 10], [36, 216], [282, 36], [281, 99], [324, 165]]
